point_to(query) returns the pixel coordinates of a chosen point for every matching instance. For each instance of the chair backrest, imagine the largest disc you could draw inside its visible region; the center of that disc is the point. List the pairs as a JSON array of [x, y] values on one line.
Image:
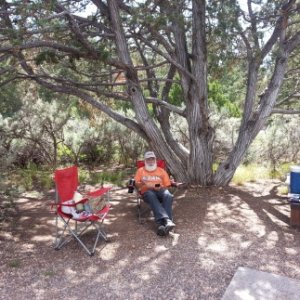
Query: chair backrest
[[66, 181], [160, 163]]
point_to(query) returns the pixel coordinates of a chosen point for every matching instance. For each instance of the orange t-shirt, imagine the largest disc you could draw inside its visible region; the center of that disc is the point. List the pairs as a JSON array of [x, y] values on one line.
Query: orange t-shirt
[[154, 177]]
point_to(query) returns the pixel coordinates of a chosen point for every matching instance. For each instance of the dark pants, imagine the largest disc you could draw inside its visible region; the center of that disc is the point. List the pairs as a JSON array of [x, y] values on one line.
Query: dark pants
[[160, 203]]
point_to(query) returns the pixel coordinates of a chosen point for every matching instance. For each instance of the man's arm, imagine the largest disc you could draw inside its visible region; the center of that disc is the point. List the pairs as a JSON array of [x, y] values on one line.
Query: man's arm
[[139, 184]]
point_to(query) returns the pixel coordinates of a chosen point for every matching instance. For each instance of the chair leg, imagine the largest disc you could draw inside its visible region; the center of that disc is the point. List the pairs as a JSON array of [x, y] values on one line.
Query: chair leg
[[76, 235], [142, 211], [139, 211], [101, 233], [59, 239], [82, 244], [56, 233]]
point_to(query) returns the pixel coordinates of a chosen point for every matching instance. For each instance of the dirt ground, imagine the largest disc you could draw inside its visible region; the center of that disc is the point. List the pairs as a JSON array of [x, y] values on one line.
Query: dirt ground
[[218, 230]]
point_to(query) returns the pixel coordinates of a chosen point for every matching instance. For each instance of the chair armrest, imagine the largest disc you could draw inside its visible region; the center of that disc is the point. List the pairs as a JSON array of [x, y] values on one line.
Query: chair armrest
[[103, 212], [178, 184], [83, 200], [68, 204], [99, 192]]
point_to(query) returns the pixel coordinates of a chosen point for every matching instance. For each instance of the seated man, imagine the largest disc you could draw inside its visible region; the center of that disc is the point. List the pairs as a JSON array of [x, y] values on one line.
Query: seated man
[[153, 182]]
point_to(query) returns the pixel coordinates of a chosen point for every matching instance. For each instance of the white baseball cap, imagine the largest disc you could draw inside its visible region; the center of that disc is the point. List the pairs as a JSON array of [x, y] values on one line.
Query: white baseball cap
[[149, 154]]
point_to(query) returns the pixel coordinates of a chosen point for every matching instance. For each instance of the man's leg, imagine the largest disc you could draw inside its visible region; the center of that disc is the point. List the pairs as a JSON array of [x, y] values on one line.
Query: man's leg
[[159, 211], [166, 199]]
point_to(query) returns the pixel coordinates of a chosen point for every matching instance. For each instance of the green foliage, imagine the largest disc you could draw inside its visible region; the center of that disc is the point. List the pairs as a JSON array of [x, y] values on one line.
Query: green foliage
[[47, 56], [46, 180], [33, 177], [283, 189], [115, 177], [66, 102], [277, 143], [29, 178], [64, 153], [274, 173], [125, 106], [285, 168], [250, 173], [104, 52], [217, 95], [10, 100], [176, 96], [32, 133], [54, 131], [253, 172], [215, 167], [46, 94], [7, 205], [83, 176]]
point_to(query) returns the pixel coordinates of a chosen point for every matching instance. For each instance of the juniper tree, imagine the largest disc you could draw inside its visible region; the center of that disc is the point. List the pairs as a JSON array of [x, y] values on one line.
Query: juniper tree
[[133, 53]]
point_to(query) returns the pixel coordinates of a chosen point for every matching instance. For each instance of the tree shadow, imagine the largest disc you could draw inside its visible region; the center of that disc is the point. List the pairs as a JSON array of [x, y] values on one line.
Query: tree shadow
[[267, 205]]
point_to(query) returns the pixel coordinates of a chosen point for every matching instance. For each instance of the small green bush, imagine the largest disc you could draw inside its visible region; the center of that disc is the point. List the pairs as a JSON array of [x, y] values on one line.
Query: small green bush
[[96, 178], [253, 172], [83, 176], [249, 173], [283, 190], [114, 177], [46, 180], [32, 177]]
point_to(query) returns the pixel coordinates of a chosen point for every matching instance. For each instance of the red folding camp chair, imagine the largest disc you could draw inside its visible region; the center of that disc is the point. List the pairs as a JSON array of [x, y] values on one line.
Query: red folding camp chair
[[66, 181], [143, 210]]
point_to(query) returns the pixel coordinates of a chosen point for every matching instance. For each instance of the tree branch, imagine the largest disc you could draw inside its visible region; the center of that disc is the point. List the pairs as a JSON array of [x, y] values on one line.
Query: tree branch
[[169, 106], [279, 27], [286, 112], [168, 58], [253, 25]]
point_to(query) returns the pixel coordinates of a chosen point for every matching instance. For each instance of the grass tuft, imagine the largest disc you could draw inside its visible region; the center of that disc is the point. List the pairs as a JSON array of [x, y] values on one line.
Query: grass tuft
[[49, 273], [15, 263]]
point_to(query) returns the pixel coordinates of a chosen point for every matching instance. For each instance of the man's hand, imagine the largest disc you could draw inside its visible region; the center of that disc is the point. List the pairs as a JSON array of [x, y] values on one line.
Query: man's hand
[[140, 184], [157, 187], [150, 186]]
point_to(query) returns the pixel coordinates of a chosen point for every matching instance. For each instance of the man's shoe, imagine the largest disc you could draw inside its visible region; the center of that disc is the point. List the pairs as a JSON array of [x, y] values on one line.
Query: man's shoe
[[169, 225], [161, 231]]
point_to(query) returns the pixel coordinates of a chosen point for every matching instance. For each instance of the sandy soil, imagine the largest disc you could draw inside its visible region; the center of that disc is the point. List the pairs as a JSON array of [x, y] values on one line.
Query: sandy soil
[[217, 231]]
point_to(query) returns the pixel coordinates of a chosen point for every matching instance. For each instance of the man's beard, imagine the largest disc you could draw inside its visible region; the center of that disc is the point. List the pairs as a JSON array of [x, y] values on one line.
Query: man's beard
[[150, 168]]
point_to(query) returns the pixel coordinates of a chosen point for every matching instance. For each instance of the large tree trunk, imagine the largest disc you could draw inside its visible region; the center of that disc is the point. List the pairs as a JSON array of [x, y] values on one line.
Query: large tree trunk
[[254, 121], [200, 132], [151, 130]]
